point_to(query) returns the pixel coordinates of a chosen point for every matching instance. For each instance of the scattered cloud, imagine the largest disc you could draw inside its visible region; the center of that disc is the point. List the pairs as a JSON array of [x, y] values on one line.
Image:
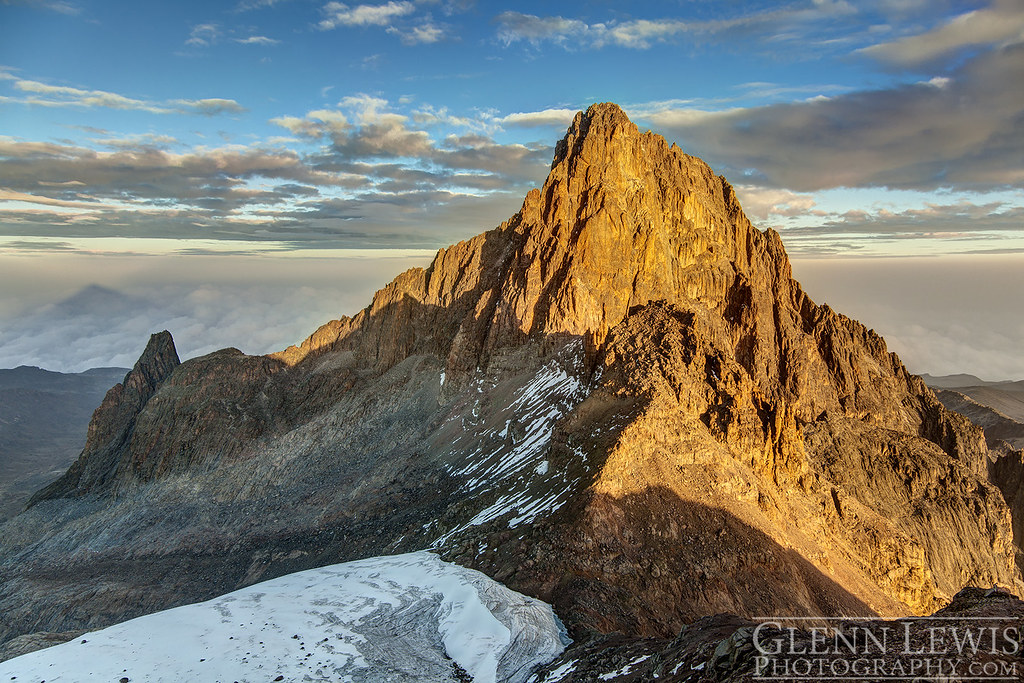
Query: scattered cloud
[[249, 5], [45, 95], [211, 106], [424, 34], [53, 5], [369, 176], [257, 40], [369, 130], [516, 26], [785, 24], [545, 117], [1000, 24], [340, 14], [203, 35], [398, 18], [764, 204]]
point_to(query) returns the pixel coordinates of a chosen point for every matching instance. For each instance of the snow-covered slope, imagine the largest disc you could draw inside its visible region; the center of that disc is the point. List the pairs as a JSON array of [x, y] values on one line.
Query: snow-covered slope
[[406, 617]]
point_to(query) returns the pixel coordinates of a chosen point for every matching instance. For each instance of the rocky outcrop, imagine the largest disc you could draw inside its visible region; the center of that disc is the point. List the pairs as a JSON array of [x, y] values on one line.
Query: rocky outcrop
[[618, 400], [977, 632], [113, 423]]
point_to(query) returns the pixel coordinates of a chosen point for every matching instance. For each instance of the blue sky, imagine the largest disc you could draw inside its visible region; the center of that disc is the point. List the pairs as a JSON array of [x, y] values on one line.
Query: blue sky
[[284, 128]]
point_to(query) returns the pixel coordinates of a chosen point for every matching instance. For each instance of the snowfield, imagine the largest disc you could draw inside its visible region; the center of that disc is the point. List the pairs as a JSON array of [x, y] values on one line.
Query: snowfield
[[406, 617]]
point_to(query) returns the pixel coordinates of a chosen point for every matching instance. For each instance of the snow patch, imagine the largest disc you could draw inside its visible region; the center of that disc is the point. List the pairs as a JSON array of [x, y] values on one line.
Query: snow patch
[[397, 618], [556, 674], [624, 671]]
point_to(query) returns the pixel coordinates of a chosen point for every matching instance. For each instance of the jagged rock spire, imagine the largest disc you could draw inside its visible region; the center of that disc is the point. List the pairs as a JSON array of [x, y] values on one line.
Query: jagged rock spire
[[112, 423]]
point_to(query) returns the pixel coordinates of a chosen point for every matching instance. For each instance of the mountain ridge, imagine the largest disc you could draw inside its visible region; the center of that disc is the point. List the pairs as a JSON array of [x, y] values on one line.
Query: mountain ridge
[[618, 401]]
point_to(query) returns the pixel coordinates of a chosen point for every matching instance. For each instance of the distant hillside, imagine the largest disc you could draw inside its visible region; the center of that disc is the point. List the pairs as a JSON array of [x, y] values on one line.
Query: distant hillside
[[1005, 398], [43, 421], [961, 382], [997, 424]]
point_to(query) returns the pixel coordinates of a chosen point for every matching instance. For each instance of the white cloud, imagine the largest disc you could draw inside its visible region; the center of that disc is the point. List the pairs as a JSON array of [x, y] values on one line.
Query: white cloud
[[203, 35], [210, 106], [424, 34], [966, 319], [62, 96], [257, 40], [641, 34], [546, 117], [762, 203], [45, 95], [205, 301], [516, 26], [53, 5], [315, 124], [340, 14]]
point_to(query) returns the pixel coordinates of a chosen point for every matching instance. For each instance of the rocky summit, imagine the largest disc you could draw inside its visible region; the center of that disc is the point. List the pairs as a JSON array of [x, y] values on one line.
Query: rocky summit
[[618, 401]]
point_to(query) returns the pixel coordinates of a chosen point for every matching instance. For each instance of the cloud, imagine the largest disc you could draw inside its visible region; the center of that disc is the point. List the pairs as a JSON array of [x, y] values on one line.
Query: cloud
[[210, 106], [257, 40], [52, 5], [967, 319], [961, 218], [1000, 24], [764, 203], [369, 176], [203, 35], [199, 184], [315, 124], [369, 130], [63, 96], [339, 14], [787, 24], [207, 304], [966, 132], [424, 34], [249, 5], [546, 117], [45, 95], [516, 26]]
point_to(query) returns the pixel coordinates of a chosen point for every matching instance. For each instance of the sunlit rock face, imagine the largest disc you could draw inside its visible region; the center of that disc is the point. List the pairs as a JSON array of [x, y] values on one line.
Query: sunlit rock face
[[618, 401]]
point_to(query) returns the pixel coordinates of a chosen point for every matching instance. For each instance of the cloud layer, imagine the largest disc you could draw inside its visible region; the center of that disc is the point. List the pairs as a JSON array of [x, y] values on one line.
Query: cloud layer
[[963, 131], [258, 305]]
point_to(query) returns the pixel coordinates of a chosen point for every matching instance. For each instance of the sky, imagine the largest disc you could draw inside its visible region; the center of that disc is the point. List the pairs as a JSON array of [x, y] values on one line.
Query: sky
[[239, 172]]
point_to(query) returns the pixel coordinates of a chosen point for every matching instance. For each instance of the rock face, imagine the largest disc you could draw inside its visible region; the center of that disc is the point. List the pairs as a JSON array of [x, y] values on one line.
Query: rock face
[[114, 421], [618, 401]]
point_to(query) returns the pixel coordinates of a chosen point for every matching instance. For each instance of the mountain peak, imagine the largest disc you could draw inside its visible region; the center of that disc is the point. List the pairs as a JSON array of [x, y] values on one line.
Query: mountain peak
[[597, 123], [622, 219], [157, 361]]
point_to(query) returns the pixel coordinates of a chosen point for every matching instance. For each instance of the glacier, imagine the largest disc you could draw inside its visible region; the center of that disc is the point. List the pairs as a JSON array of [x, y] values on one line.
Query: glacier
[[410, 617]]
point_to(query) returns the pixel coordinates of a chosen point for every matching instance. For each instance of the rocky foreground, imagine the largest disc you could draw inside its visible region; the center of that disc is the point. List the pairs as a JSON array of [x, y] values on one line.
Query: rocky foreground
[[618, 401]]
